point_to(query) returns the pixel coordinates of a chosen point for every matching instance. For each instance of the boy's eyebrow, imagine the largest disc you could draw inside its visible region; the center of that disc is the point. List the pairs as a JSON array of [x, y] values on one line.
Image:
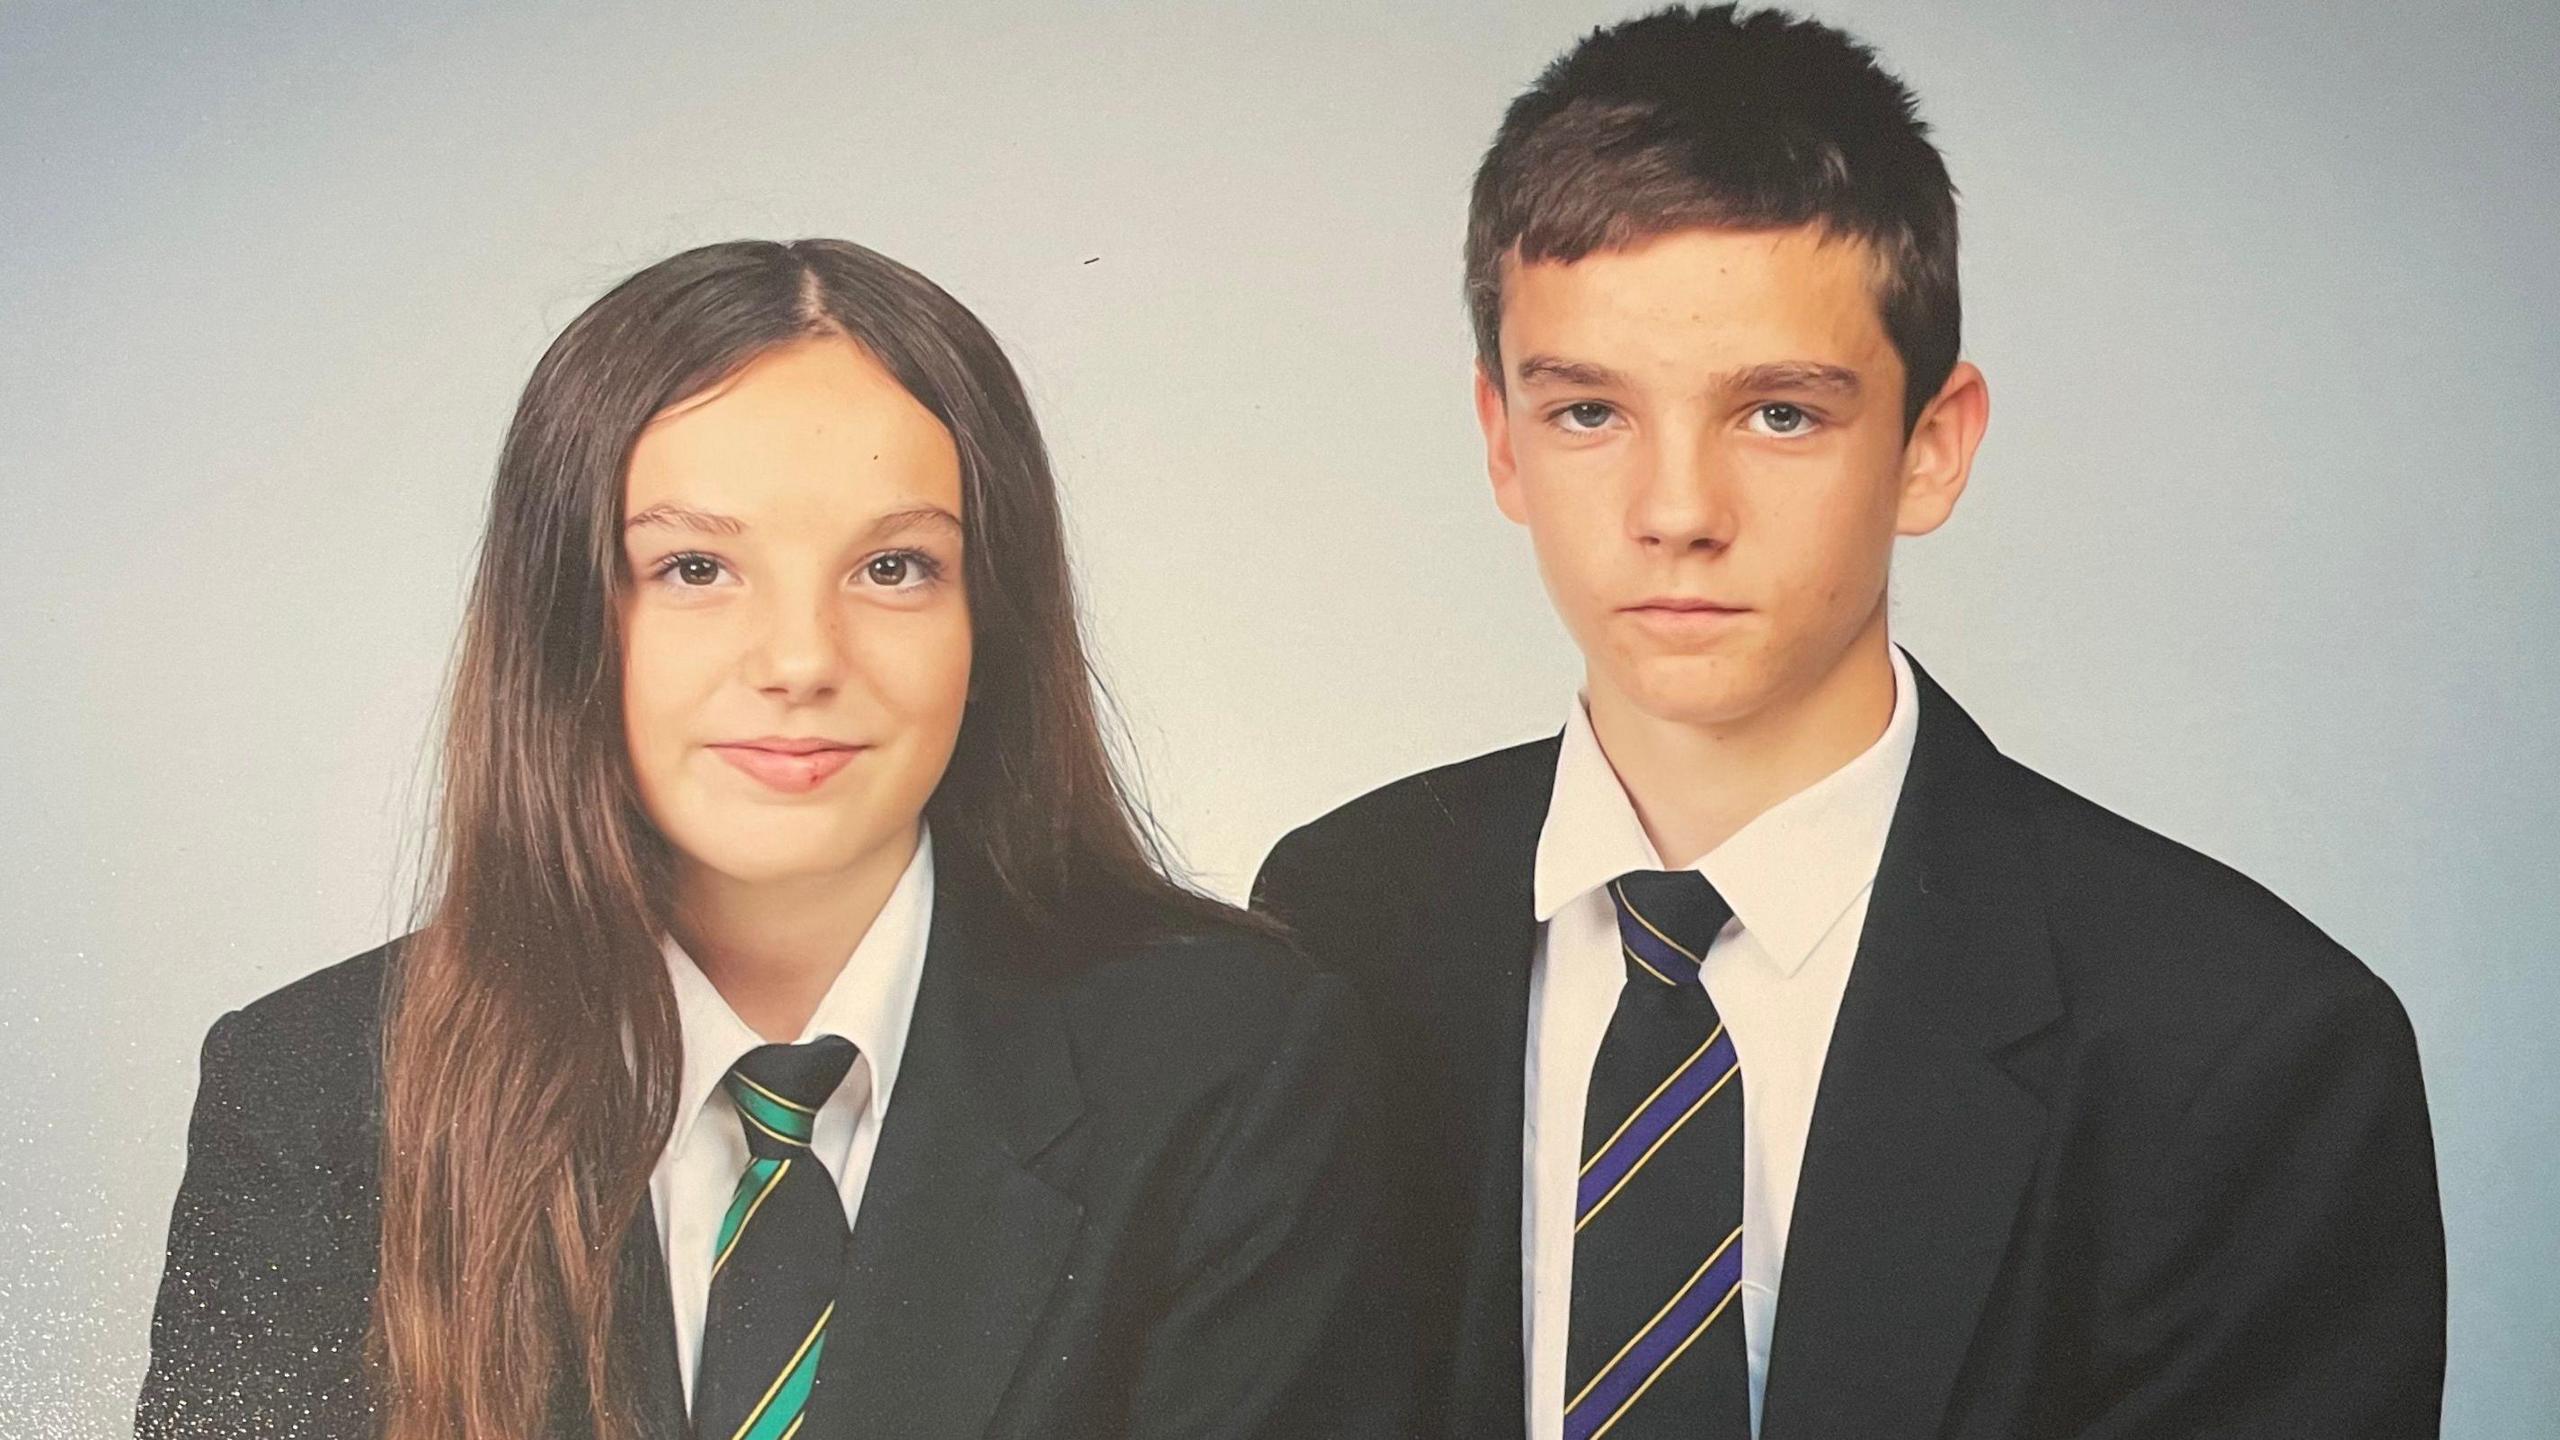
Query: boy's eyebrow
[[1775, 375], [685, 517], [1556, 370], [1795, 375]]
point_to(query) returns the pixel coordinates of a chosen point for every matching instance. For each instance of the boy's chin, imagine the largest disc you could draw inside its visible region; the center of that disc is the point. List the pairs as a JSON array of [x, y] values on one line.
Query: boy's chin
[[1701, 691]]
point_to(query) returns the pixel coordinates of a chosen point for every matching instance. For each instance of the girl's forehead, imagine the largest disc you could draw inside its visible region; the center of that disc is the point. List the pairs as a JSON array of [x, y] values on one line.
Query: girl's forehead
[[815, 433]]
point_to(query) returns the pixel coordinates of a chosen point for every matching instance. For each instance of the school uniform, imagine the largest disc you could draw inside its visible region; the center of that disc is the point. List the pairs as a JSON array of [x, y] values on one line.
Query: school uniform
[[1123, 1191], [2005, 1116]]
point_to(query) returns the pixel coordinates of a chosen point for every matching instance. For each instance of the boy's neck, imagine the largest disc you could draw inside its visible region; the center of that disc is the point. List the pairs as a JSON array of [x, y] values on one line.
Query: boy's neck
[[1695, 786]]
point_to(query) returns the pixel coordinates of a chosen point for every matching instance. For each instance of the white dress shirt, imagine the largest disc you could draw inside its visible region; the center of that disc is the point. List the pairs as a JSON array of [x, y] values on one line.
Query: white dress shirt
[[869, 1004], [1798, 878]]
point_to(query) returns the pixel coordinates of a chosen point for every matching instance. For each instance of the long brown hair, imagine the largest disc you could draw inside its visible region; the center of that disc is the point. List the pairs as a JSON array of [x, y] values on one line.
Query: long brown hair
[[531, 1042]]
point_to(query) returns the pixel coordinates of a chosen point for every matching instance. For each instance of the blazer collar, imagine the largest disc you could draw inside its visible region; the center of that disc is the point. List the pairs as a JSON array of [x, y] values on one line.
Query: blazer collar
[[1929, 1095]]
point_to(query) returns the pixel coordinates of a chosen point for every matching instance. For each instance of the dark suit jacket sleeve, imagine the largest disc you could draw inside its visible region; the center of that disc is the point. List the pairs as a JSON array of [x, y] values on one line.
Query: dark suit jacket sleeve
[[1277, 1325], [2291, 1279], [256, 1330]]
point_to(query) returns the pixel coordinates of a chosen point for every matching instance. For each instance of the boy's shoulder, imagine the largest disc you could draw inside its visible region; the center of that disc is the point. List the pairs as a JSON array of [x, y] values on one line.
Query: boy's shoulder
[[1417, 819], [2140, 922]]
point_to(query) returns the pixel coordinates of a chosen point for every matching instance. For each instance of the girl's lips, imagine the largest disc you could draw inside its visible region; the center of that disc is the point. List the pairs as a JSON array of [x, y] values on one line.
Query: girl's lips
[[790, 773]]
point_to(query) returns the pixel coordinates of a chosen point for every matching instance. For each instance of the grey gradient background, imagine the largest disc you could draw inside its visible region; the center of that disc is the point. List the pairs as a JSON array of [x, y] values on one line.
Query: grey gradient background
[[2257, 552]]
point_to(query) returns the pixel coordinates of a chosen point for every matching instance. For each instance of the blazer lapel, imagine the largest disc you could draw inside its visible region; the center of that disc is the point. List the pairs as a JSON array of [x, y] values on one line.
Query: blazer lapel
[[958, 1242], [1923, 1140], [1479, 982], [646, 1335]]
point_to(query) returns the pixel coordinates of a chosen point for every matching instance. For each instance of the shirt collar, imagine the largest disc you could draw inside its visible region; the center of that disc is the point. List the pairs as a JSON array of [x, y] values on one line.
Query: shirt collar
[[869, 1002], [1790, 874]]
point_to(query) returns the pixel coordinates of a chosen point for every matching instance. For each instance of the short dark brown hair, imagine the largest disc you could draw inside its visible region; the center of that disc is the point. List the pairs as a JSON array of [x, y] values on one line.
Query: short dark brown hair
[[1712, 117]]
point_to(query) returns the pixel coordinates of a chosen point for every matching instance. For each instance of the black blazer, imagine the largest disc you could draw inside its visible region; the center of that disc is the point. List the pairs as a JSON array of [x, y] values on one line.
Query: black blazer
[[2109, 1141], [1117, 1194]]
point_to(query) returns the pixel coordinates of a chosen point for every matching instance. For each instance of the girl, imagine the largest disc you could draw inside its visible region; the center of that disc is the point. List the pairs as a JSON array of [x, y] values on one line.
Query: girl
[[802, 1037]]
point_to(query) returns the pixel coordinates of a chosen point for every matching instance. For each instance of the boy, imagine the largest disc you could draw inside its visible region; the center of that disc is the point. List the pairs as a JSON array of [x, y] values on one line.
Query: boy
[[1774, 1056]]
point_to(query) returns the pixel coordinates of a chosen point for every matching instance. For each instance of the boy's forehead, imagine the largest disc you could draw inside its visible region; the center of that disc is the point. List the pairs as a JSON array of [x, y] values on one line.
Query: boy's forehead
[[1803, 288]]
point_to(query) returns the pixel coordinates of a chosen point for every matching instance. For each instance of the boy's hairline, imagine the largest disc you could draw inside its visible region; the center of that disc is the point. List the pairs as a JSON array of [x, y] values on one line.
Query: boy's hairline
[[1508, 260]]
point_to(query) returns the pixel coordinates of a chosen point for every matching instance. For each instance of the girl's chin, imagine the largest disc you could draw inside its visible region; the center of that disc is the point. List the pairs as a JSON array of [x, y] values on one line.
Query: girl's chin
[[756, 862]]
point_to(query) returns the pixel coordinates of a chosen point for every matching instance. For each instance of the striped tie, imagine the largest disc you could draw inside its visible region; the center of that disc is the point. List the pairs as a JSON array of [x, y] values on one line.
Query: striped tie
[[779, 1256], [1654, 1347]]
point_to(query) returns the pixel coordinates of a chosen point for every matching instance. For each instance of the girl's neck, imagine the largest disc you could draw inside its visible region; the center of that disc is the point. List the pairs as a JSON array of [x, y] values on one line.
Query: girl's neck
[[772, 948]]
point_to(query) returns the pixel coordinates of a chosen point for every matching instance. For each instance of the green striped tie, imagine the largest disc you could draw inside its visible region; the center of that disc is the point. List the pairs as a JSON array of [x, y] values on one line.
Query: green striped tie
[[778, 1258]]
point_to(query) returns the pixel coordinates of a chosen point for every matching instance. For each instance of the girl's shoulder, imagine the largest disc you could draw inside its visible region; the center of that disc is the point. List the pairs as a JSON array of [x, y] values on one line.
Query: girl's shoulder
[[302, 1063]]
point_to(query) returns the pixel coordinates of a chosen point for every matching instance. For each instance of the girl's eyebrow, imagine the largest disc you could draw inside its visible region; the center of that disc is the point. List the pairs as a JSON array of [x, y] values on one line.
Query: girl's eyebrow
[[685, 517], [669, 515], [913, 517]]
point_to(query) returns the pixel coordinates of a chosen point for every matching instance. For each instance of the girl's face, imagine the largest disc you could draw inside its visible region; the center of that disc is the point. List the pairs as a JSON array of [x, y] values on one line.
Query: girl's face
[[796, 637]]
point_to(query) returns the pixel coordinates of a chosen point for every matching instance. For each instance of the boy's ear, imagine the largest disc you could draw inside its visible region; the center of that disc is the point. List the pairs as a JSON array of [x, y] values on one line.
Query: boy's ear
[[1938, 457], [1494, 418]]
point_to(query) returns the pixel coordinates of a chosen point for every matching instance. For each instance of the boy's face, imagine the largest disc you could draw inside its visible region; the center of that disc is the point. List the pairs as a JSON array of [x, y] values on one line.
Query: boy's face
[[1703, 435]]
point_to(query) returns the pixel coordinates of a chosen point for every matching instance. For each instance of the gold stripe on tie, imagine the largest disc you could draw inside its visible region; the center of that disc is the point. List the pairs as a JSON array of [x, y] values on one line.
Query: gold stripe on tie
[[769, 1130], [750, 1217], [792, 1364], [1647, 1327], [1638, 1113], [1614, 889], [1659, 1141], [1647, 964], [1667, 1361], [749, 1081]]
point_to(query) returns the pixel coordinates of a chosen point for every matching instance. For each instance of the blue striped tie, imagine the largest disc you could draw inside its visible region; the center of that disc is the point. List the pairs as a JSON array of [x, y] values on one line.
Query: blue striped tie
[[1654, 1347]]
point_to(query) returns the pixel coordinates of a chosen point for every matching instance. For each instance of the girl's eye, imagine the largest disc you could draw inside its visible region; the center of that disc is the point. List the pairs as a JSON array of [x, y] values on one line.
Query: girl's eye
[[1585, 416], [1780, 418], [900, 569], [690, 570]]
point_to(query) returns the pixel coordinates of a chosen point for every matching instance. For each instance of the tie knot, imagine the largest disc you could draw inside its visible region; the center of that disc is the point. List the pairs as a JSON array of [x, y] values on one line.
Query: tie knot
[[778, 1089], [1666, 921]]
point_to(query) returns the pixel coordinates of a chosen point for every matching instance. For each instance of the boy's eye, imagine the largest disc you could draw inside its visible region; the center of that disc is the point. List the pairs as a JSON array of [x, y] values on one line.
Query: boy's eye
[[1780, 418], [1587, 415]]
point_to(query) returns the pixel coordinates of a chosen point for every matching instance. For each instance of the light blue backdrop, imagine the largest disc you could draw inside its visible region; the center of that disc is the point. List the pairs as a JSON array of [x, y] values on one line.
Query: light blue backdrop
[[2259, 549]]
